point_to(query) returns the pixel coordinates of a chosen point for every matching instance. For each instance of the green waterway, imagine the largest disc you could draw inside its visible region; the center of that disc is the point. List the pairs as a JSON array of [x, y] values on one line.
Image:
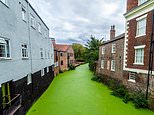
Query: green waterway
[[73, 93]]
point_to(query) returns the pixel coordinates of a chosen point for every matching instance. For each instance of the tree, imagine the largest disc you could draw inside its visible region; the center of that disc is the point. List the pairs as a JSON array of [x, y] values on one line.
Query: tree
[[79, 51], [92, 52]]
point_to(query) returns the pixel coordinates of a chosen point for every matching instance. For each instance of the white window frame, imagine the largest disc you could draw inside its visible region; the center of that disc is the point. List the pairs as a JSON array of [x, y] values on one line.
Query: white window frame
[[5, 2], [103, 50], [141, 2], [23, 11], [42, 72], [48, 69], [39, 28], [7, 48], [29, 79], [113, 64], [24, 54], [139, 29], [102, 64], [135, 60], [132, 77], [33, 22], [113, 48], [41, 53]]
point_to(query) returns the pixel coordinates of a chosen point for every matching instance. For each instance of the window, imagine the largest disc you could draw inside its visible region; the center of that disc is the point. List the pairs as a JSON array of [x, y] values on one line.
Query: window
[[132, 76], [39, 27], [33, 23], [141, 27], [29, 79], [139, 54], [113, 65], [113, 48], [47, 69], [4, 48], [42, 72], [61, 54], [5, 1], [41, 53], [24, 51], [46, 34], [102, 64], [48, 54], [103, 50], [141, 2], [61, 62], [23, 13], [45, 54], [108, 65]]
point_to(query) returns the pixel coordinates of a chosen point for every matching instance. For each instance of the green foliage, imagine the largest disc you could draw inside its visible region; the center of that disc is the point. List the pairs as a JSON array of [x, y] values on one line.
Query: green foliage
[[96, 78], [139, 100], [92, 52], [121, 91], [72, 67], [79, 51], [127, 98]]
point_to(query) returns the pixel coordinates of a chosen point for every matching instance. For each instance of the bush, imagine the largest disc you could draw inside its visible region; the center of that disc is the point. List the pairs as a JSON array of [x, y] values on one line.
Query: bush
[[139, 100], [96, 78], [121, 91], [72, 67], [127, 98]]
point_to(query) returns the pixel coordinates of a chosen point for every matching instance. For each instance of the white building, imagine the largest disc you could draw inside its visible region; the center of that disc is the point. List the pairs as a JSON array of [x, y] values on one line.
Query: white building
[[26, 53]]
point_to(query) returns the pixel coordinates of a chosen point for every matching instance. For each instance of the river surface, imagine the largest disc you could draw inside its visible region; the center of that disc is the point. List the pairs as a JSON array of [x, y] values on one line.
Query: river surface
[[73, 93]]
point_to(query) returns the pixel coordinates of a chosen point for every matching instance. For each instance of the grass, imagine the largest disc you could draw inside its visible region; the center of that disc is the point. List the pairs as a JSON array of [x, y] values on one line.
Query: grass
[[73, 93]]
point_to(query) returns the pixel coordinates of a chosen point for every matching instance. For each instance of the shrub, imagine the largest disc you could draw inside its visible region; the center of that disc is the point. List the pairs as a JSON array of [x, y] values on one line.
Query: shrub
[[121, 91], [72, 67], [96, 78], [60, 71], [127, 98], [139, 100]]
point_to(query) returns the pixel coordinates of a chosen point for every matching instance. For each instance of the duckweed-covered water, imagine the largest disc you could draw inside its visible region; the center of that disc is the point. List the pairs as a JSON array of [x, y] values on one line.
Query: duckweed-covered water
[[73, 93]]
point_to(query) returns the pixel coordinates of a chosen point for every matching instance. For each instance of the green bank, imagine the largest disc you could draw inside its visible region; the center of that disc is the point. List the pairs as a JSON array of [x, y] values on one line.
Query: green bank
[[73, 93]]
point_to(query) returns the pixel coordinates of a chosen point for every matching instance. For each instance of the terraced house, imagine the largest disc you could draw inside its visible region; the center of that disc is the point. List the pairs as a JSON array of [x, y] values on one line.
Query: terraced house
[[111, 56], [26, 56], [137, 45]]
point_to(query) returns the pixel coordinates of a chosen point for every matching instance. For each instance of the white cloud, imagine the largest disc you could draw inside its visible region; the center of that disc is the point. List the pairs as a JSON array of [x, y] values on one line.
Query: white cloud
[[76, 20]]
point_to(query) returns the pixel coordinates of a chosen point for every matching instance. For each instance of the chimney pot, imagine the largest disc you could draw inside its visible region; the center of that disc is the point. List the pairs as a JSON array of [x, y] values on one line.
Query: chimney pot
[[112, 32]]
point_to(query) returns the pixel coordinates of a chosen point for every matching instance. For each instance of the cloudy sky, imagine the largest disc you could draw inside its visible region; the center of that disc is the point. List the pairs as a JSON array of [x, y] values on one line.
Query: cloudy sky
[[73, 21]]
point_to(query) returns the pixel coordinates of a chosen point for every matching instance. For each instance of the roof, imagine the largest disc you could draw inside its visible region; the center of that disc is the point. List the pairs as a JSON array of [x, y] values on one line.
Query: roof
[[61, 47], [121, 36]]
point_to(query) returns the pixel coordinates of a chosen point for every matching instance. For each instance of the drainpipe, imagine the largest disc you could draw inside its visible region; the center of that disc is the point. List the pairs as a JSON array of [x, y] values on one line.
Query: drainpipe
[[30, 49], [151, 53]]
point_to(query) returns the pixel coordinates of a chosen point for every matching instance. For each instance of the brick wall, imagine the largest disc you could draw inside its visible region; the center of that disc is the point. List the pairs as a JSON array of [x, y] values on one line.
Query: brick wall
[[136, 41], [63, 58], [108, 56], [131, 4]]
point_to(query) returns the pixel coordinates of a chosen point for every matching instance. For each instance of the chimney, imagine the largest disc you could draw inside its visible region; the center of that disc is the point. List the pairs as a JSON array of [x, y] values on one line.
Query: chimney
[[112, 32], [53, 41]]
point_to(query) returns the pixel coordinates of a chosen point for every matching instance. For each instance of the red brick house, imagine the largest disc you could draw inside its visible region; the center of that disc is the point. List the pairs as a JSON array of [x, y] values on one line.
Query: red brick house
[[63, 57], [137, 44], [111, 56]]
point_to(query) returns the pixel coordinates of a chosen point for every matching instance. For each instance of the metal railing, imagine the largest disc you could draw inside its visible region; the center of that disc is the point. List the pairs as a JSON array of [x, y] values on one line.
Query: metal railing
[[12, 106]]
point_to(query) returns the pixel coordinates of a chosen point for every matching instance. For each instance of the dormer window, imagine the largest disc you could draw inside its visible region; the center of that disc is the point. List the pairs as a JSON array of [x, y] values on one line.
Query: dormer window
[[141, 2]]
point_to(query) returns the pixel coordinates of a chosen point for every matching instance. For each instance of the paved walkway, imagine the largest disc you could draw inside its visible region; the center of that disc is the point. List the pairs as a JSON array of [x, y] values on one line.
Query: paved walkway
[[73, 93]]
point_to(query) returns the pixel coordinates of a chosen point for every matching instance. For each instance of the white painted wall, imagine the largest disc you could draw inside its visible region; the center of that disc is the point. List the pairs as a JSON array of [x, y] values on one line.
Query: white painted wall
[[16, 30]]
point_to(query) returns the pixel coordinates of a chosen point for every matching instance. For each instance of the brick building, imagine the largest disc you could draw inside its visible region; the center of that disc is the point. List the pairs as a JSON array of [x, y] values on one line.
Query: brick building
[[111, 56], [137, 44], [64, 57]]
